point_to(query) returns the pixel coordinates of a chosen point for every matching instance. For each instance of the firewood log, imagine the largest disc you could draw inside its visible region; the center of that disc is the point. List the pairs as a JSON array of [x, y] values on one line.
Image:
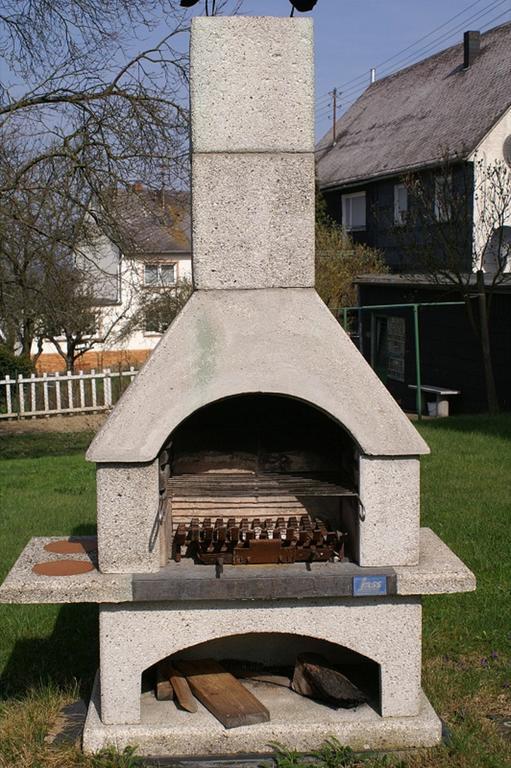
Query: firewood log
[[316, 678]]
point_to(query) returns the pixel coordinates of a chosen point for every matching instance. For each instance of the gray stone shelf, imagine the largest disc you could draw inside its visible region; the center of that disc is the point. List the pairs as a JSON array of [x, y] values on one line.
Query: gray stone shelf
[[187, 581], [439, 571]]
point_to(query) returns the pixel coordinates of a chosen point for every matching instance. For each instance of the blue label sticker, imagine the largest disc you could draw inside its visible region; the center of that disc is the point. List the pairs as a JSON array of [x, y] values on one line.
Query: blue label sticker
[[369, 586]]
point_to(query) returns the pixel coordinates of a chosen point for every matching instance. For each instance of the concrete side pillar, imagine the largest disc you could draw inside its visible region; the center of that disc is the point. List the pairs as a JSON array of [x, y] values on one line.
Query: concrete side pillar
[[127, 498], [400, 670], [390, 515], [252, 103]]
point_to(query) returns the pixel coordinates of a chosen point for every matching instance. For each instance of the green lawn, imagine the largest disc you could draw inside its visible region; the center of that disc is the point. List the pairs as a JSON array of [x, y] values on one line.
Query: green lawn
[[48, 653]]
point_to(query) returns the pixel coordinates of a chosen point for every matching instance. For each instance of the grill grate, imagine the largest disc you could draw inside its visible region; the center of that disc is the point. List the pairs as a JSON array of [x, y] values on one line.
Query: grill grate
[[245, 484], [262, 540]]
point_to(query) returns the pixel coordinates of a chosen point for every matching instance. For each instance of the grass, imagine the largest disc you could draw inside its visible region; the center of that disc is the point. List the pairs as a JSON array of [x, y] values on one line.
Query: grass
[[47, 490], [48, 654]]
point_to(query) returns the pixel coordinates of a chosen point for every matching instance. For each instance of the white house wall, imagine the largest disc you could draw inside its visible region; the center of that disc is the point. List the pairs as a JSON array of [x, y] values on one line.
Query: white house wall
[[488, 152], [103, 261]]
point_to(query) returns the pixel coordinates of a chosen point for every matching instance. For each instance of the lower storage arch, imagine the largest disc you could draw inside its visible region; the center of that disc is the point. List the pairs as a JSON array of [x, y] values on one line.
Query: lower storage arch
[[271, 657], [381, 636]]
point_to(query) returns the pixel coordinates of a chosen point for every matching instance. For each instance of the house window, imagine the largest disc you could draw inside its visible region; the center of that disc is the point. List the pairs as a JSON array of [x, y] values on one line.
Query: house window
[[153, 324], [443, 197], [400, 204], [354, 211], [497, 252], [507, 150], [159, 275]]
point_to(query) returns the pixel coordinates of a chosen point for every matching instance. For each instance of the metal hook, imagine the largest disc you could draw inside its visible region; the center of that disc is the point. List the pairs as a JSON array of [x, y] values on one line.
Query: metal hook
[[362, 510]]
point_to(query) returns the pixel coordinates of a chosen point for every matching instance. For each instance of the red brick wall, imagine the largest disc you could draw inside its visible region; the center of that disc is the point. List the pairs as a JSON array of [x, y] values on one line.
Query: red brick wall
[[51, 363]]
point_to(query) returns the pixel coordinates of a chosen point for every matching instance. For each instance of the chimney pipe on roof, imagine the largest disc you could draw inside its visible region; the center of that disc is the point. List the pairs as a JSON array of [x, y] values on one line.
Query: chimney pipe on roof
[[471, 48], [372, 75]]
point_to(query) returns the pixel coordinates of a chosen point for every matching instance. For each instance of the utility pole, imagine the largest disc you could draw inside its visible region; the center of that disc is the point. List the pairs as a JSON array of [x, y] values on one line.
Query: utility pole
[[334, 116]]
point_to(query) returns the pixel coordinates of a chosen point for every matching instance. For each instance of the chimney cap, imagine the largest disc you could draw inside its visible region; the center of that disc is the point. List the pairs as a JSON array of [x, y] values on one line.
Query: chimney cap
[[471, 47]]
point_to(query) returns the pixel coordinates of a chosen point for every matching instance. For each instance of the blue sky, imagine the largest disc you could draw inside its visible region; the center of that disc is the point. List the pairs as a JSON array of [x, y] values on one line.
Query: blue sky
[[354, 35]]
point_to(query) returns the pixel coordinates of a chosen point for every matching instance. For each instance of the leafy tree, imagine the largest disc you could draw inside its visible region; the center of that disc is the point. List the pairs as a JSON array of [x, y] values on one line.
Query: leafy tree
[[339, 260], [155, 310]]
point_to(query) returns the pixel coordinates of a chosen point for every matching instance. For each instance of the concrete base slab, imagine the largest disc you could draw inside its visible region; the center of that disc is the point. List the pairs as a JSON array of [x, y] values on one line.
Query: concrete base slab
[[296, 722]]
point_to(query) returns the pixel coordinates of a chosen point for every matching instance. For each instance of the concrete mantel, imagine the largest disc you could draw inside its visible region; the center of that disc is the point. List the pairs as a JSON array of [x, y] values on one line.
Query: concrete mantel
[[227, 343], [439, 571]]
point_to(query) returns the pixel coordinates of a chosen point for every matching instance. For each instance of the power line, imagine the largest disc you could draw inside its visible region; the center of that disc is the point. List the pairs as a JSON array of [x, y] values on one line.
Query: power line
[[323, 109], [424, 49], [419, 55], [441, 26], [419, 40], [495, 18], [450, 33], [346, 104]]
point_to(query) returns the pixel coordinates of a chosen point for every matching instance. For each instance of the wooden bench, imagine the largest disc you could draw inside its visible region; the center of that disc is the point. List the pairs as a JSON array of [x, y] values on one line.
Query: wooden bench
[[442, 393]]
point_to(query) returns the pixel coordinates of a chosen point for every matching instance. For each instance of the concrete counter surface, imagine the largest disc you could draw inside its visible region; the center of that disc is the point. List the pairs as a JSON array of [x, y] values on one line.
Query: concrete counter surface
[[22, 585], [439, 571]]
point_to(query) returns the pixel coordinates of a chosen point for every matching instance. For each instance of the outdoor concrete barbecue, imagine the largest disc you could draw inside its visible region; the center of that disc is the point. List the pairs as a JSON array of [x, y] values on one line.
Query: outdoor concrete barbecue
[[257, 485]]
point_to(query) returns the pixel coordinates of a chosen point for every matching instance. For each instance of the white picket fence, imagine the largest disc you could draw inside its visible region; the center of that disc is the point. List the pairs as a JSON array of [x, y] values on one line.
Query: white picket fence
[[52, 394]]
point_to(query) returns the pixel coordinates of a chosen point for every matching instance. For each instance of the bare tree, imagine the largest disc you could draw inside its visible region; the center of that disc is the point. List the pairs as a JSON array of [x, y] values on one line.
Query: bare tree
[[81, 113], [48, 280], [72, 319], [35, 222], [458, 232], [76, 93], [84, 110]]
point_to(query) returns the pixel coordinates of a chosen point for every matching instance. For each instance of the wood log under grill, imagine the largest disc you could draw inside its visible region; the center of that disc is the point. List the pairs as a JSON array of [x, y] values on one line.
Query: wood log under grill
[[261, 540]]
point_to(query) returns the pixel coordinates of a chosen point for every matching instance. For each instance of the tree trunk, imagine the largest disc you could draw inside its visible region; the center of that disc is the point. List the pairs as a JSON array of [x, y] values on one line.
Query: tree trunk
[[70, 361], [26, 344], [489, 378], [70, 354]]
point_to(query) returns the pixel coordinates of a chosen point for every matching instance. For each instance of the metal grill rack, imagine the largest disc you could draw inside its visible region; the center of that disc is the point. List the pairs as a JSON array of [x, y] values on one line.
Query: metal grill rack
[[245, 484], [258, 541]]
